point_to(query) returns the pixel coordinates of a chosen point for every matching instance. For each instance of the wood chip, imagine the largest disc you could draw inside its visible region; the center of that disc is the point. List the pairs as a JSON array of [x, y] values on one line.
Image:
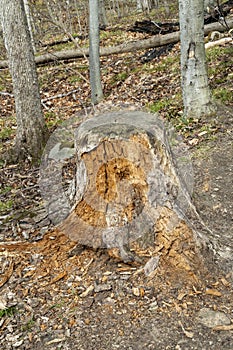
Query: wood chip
[[87, 291], [213, 292], [58, 277], [187, 333], [225, 282], [228, 327], [138, 292], [54, 341], [181, 295], [196, 291]]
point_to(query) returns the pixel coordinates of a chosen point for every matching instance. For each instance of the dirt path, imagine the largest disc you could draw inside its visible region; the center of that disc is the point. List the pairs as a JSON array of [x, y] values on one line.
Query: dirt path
[[213, 195]]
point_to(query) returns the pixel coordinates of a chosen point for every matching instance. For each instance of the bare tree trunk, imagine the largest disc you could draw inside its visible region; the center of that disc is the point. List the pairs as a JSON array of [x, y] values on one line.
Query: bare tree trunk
[[29, 22], [94, 54], [31, 129], [102, 14], [195, 87], [144, 5]]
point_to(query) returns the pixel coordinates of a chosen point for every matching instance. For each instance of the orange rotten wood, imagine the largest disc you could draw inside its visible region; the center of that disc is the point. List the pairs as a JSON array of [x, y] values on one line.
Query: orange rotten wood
[[133, 186]]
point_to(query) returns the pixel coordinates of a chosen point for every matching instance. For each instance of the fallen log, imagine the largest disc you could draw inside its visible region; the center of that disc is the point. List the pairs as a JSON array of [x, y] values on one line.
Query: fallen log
[[155, 41], [151, 27], [215, 14], [219, 42]]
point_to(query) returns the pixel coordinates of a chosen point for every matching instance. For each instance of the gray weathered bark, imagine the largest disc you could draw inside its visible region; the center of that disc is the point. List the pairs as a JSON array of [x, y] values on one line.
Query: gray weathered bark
[[29, 22], [94, 55], [102, 14], [31, 129], [195, 87]]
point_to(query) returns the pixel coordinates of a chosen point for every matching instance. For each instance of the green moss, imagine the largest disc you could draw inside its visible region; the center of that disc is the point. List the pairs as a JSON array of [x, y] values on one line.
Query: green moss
[[29, 325], [8, 312], [5, 190], [6, 206], [6, 133], [157, 106], [214, 53], [120, 77], [223, 94], [75, 79], [169, 106], [52, 119]]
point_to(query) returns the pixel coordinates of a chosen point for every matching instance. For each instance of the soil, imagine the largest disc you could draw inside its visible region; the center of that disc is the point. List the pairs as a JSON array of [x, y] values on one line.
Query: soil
[[60, 295], [213, 194]]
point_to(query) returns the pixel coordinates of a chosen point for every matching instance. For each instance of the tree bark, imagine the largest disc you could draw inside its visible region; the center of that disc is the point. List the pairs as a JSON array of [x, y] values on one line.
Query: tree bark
[[155, 41], [29, 23], [102, 14], [94, 54], [194, 77], [31, 130]]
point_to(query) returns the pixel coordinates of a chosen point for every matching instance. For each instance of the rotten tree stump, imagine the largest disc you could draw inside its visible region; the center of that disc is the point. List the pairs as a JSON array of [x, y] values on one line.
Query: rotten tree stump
[[129, 191], [132, 176]]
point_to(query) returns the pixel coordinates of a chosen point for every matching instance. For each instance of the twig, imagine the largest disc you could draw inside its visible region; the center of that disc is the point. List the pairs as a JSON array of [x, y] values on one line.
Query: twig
[[61, 25], [59, 95], [222, 16], [218, 42], [6, 94]]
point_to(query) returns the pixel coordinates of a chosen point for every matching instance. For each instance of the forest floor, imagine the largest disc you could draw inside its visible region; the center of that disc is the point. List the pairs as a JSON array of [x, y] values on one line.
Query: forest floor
[[56, 294]]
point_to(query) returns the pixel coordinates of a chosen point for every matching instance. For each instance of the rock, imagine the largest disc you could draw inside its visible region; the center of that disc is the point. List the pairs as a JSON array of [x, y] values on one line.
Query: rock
[[211, 318], [153, 306], [102, 287]]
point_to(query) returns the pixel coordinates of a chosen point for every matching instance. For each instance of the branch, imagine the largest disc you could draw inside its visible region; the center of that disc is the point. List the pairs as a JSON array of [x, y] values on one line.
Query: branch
[[60, 95], [219, 42]]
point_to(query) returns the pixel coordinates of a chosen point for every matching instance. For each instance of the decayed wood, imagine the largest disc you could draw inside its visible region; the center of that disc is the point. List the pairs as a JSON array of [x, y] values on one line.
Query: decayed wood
[[155, 41], [131, 185], [148, 26]]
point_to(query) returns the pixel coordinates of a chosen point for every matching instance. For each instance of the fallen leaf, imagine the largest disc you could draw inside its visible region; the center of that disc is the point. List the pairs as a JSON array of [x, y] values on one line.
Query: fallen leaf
[[43, 327], [8, 274], [58, 277]]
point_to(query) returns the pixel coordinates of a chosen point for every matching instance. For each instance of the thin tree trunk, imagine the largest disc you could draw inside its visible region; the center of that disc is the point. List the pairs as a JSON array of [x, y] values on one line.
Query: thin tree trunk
[[194, 78], [29, 22], [94, 54], [31, 129], [102, 14]]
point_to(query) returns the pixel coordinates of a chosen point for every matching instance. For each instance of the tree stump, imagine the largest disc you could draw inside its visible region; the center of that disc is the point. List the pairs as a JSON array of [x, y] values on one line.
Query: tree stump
[[131, 191]]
